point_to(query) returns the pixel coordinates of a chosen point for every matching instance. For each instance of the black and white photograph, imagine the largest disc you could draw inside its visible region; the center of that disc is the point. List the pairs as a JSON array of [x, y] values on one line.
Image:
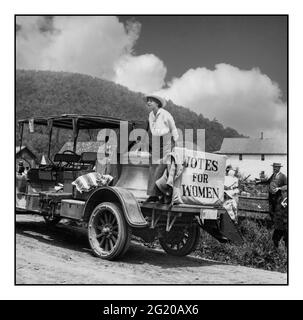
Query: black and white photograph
[[150, 155], [151, 149]]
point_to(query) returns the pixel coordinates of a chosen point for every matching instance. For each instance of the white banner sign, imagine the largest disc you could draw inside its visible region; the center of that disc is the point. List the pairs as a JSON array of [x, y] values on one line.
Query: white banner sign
[[202, 180]]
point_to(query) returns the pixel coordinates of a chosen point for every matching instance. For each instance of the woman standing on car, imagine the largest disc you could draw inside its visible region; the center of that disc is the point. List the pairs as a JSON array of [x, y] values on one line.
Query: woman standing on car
[[161, 128]]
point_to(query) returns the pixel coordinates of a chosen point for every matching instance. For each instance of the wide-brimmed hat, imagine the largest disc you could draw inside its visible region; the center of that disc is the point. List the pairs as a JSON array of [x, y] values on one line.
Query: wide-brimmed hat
[[161, 100], [276, 164]]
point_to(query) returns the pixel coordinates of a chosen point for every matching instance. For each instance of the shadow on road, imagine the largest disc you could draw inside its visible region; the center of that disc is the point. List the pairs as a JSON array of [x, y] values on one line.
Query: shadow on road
[[69, 237], [60, 235], [138, 254]]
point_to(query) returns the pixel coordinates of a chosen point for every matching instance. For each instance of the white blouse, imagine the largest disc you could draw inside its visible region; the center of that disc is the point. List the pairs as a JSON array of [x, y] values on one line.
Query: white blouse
[[162, 123]]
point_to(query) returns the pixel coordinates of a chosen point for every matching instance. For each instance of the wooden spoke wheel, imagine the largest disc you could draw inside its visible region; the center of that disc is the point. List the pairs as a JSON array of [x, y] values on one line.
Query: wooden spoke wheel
[[181, 241], [108, 232]]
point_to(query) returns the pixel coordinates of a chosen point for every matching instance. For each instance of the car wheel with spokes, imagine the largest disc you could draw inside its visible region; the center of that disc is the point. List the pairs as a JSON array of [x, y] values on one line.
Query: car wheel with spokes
[[180, 241], [108, 232]]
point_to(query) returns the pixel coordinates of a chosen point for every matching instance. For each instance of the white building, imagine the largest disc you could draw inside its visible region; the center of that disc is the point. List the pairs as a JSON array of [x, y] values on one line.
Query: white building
[[253, 155]]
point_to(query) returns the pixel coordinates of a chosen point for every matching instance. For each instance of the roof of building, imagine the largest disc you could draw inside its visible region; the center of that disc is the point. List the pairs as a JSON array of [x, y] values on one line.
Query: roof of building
[[253, 146], [19, 149]]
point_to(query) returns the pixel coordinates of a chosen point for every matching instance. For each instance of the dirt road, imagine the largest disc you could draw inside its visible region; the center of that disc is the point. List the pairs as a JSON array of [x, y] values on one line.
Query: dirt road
[[61, 255]]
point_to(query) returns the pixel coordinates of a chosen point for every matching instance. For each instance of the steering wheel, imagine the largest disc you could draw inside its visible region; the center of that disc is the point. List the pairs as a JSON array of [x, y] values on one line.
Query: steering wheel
[[69, 164], [69, 151]]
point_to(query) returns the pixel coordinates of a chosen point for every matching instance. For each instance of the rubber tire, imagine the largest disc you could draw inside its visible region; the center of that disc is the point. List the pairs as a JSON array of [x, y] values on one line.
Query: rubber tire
[[190, 245], [124, 234]]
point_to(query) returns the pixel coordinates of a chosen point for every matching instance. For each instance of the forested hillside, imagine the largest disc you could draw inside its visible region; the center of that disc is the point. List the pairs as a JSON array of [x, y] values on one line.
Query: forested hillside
[[45, 93]]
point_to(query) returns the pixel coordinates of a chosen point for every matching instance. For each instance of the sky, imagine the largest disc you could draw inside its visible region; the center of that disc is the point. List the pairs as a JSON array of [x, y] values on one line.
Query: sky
[[232, 68]]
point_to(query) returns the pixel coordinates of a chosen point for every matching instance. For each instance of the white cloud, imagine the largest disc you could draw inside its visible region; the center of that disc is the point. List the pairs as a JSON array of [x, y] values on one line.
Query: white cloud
[[98, 46], [84, 44], [246, 100], [31, 42], [143, 73]]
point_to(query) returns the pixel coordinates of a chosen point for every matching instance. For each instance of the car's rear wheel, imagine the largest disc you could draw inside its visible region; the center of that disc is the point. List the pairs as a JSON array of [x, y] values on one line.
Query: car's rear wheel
[[108, 232], [180, 241]]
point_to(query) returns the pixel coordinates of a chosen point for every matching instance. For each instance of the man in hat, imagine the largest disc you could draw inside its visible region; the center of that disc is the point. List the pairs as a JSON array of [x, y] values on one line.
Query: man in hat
[[161, 126], [277, 183]]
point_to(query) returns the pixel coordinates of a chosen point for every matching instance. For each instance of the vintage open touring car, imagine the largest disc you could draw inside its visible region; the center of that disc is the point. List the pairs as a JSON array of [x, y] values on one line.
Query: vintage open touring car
[[114, 212]]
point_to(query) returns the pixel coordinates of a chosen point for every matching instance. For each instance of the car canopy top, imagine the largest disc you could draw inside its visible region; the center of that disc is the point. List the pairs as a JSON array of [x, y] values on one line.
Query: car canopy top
[[68, 121], [75, 122]]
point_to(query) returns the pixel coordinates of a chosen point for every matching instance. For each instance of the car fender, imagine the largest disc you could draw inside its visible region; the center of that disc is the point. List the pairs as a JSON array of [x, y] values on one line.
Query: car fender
[[125, 198]]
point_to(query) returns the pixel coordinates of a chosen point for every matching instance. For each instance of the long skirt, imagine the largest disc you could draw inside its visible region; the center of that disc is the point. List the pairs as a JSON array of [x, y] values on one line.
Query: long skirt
[[160, 150]]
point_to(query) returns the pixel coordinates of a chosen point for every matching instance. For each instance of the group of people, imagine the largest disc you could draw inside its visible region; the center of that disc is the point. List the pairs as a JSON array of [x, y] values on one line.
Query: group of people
[[277, 198]]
